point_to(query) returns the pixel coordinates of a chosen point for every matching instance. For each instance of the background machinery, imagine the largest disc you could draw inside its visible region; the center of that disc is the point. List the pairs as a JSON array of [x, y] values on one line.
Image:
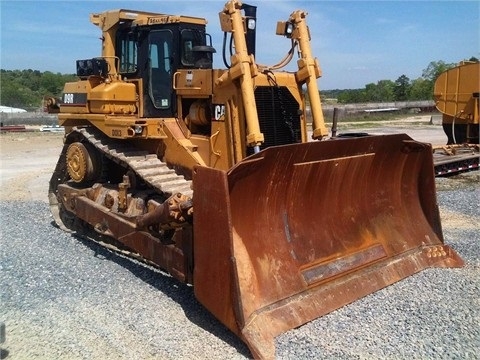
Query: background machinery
[[456, 94], [210, 174]]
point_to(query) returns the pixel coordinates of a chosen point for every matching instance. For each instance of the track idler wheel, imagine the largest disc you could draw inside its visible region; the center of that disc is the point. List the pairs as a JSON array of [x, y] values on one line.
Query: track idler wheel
[[83, 164]]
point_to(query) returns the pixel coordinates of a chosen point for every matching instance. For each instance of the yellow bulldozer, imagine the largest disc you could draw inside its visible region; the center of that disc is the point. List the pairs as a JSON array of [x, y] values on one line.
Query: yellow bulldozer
[[215, 176]]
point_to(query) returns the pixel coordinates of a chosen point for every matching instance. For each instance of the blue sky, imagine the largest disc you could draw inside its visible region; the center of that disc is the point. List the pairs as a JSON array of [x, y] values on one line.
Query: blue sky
[[357, 42]]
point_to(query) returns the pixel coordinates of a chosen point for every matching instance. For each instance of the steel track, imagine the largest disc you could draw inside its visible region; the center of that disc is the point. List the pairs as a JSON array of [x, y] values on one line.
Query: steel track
[[152, 171]]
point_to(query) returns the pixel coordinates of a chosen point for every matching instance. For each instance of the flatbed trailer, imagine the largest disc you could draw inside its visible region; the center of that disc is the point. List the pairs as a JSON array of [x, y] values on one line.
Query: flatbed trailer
[[454, 159]]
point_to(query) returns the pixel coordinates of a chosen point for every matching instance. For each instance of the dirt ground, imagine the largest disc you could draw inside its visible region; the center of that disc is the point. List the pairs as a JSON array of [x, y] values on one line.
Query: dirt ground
[[27, 160]]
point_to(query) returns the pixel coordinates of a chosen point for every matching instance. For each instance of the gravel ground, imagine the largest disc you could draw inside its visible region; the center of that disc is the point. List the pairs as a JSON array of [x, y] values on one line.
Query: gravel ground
[[62, 297]]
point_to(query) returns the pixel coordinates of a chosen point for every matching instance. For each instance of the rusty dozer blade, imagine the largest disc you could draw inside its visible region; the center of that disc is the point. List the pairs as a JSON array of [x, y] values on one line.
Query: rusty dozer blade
[[297, 231]]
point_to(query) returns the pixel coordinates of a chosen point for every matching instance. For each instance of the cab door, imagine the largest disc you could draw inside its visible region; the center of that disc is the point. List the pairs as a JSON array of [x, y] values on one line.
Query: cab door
[[159, 98]]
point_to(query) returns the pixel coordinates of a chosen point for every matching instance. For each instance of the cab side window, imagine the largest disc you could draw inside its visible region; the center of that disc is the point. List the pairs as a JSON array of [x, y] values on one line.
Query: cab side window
[[127, 53]]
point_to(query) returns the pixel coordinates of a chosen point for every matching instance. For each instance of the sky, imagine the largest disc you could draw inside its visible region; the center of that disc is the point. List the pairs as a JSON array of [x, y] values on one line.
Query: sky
[[356, 42]]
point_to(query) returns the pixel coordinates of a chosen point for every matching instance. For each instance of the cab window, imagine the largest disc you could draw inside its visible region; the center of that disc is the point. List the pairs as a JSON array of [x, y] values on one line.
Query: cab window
[[160, 68], [127, 53]]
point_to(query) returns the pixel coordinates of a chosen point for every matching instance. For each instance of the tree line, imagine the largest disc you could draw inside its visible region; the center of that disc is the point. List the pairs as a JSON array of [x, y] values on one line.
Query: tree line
[[402, 89], [26, 88]]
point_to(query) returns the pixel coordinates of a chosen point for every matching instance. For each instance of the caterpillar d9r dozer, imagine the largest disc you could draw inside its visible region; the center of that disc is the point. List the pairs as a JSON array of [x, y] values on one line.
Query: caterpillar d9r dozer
[[210, 174]]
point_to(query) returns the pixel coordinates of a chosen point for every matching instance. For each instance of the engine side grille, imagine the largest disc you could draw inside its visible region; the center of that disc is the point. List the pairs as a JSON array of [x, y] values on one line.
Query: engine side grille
[[279, 116]]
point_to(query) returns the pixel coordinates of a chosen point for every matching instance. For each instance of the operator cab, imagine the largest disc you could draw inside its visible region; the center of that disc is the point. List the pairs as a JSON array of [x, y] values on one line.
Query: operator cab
[[155, 53]]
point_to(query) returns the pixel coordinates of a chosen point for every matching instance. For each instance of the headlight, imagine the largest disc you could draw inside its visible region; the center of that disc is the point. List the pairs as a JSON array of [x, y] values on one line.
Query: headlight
[[288, 29], [285, 28]]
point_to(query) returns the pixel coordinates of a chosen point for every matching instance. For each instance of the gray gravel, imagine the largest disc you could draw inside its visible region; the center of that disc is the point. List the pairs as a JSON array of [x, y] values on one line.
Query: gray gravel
[[65, 298]]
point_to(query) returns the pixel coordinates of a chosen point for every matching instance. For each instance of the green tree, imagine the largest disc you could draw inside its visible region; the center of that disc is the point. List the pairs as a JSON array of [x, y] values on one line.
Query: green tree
[[435, 68], [420, 89], [52, 83], [402, 88], [382, 91]]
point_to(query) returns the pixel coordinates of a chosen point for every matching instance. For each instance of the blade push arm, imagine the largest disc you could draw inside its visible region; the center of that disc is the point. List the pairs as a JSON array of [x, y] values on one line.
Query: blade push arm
[[243, 68], [308, 67]]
